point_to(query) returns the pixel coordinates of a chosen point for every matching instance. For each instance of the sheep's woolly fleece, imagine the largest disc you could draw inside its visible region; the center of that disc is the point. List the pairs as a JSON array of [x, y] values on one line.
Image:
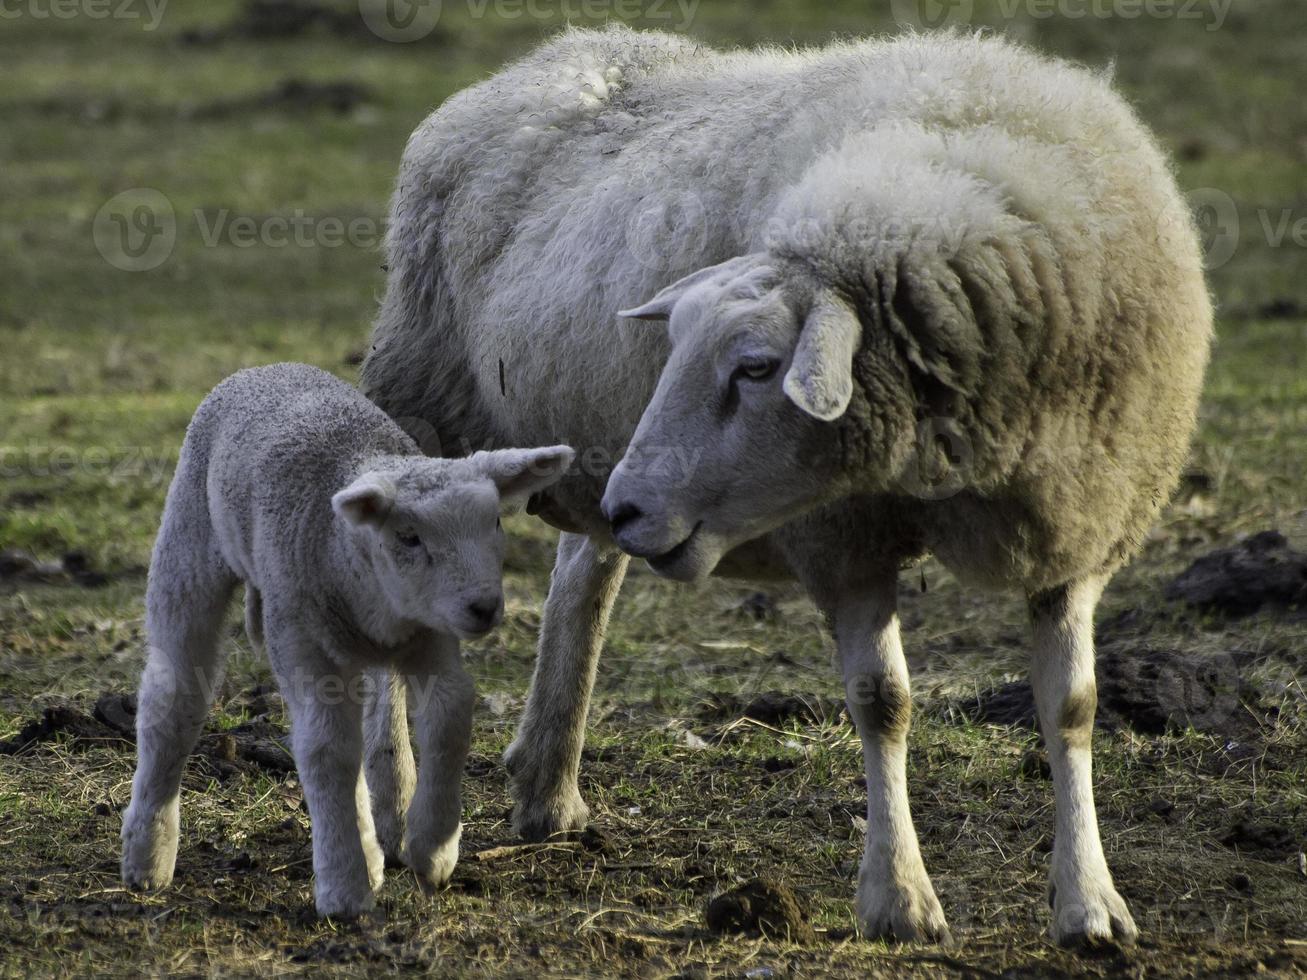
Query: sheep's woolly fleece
[[1019, 255]]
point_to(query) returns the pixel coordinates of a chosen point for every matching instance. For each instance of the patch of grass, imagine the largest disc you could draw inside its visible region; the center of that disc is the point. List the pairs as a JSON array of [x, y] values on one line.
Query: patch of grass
[[101, 368]]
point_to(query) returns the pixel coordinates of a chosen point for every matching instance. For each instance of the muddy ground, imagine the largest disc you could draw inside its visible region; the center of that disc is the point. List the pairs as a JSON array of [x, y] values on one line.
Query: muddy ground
[[723, 777]]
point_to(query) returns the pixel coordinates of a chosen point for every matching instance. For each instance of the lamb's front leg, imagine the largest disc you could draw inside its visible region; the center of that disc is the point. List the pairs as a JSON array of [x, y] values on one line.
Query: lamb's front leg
[[1086, 906], [443, 699], [327, 741], [895, 896]]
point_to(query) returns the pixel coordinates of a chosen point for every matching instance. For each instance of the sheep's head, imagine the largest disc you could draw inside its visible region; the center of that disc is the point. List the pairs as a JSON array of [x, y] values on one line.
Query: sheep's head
[[429, 531], [741, 433]]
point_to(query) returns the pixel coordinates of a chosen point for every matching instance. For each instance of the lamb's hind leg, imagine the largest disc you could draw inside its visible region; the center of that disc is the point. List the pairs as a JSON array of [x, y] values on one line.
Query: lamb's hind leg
[[545, 757], [188, 593], [1086, 906], [895, 897], [389, 759]]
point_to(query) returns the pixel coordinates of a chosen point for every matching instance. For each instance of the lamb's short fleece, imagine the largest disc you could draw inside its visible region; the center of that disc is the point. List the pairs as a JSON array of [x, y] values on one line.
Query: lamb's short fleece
[[363, 562]]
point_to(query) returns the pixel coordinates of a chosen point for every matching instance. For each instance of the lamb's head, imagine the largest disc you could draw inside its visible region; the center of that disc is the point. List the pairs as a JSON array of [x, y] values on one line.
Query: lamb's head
[[740, 434], [429, 531]]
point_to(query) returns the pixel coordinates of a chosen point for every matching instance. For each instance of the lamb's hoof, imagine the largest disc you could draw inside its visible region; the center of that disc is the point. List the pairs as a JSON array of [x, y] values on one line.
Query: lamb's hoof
[[1090, 916], [149, 852], [145, 880], [435, 866], [542, 810], [345, 903], [906, 913]]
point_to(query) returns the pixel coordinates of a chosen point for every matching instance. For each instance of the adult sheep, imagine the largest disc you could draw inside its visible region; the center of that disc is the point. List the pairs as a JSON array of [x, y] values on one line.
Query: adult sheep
[[938, 234]]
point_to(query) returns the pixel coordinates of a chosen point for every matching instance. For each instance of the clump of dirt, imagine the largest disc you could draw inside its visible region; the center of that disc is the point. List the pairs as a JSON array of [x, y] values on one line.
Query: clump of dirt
[[1262, 570], [56, 720], [760, 907], [774, 708], [1254, 836], [1148, 690], [74, 566], [254, 745], [295, 95]]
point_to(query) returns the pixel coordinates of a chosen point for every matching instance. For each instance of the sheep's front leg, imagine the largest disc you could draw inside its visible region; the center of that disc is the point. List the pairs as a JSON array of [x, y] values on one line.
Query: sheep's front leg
[[1086, 906], [389, 759], [327, 742], [895, 896], [545, 757], [443, 699]]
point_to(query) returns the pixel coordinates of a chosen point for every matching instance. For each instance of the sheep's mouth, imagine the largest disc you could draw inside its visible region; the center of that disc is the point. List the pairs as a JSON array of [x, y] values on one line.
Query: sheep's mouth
[[669, 562]]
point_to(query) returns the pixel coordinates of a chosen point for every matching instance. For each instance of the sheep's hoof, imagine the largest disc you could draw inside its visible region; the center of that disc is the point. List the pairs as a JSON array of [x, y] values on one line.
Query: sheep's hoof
[[1091, 916], [539, 820], [542, 810], [907, 913]]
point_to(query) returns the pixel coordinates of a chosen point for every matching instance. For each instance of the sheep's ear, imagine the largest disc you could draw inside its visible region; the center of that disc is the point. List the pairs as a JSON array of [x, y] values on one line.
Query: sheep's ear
[[368, 500], [820, 378], [518, 473], [660, 307]]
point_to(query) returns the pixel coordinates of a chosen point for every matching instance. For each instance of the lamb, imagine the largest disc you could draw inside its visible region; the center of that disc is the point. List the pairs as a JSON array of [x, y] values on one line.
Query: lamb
[[360, 557], [927, 294]]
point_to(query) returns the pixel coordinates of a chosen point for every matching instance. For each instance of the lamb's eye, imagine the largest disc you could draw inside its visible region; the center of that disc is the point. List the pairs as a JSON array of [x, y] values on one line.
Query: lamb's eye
[[409, 540], [757, 368]]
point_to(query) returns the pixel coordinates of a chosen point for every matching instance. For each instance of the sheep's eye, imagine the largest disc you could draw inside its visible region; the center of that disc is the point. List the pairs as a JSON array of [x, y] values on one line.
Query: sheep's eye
[[409, 540], [757, 368]]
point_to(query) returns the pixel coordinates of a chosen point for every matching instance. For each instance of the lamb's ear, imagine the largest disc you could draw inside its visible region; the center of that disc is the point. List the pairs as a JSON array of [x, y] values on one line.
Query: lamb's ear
[[660, 307], [820, 378], [518, 473], [368, 500]]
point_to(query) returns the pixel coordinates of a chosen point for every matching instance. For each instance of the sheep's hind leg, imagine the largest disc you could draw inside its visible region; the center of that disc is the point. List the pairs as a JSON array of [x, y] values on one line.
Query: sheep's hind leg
[[1086, 906], [188, 593], [895, 897], [443, 699], [327, 742], [389, 759], [545, 757]]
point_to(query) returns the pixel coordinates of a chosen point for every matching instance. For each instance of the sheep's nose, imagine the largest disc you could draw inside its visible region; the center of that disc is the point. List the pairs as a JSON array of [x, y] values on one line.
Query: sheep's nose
[[621, 514], [484, 612]]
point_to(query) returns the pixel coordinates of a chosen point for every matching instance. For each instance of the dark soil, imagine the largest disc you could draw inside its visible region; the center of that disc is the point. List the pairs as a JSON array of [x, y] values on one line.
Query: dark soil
[[1262, 571], [20, 566], [773, 708], [255, 745], [1149, 691], [760, 907]]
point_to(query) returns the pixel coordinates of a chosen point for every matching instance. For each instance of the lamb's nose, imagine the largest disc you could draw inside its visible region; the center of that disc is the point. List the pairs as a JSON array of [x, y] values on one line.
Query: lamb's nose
[[483, 612], [621, 514]]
